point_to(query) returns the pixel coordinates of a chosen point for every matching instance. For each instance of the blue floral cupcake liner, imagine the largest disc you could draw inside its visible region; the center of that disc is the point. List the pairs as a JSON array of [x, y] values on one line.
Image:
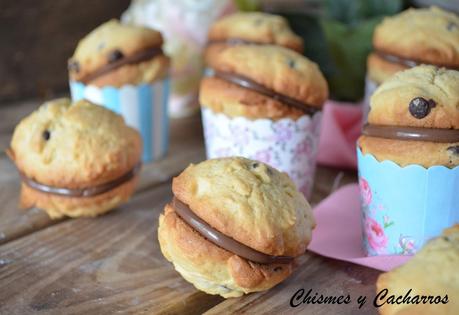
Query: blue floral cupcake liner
[[403, 207], [144, 107]]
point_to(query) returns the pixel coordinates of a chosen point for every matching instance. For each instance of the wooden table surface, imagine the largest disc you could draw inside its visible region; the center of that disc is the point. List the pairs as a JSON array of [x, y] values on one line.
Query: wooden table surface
[[112, 264]]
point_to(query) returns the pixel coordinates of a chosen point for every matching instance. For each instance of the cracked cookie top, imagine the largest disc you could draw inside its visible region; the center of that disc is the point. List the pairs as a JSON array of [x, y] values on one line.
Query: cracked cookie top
[[250, 202], [424, 96]]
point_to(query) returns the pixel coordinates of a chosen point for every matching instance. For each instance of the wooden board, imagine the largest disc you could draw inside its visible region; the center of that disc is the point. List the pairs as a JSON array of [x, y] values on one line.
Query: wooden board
[[324, 276], [97, 266], [112, 264]]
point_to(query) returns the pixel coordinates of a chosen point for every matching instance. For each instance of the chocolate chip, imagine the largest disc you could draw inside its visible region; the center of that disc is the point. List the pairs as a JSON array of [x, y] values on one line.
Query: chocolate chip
[[420, 107], [291, 63], [46, 135], [451, 26], [454, 149], [73, 66], [115, 55], [255, 165], [446, 238]]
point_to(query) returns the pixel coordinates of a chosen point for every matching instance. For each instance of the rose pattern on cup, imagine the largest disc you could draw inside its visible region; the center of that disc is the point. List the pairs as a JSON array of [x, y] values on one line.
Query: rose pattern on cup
[[375, 235], [412, 204], [377, 223], [365, 191], [286, 144]]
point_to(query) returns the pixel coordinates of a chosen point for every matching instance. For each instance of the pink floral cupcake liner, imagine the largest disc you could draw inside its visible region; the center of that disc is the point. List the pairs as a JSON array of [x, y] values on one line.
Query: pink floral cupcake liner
[[287, 145]]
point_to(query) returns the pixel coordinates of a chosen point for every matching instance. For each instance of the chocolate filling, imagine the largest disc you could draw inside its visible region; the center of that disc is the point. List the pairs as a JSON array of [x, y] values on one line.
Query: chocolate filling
[[412, 133], [140, 56], [225, 242], [410, 63], [234, 42], [252, 85], [82, 192]]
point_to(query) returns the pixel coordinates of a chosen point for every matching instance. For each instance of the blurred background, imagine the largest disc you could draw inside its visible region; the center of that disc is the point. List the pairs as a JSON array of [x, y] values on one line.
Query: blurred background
[[39, 36]]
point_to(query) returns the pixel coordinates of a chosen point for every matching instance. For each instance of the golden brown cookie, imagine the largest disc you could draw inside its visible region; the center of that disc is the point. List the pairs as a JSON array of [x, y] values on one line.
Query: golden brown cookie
[[289, 74], [427, 35], [247, 201], [75, 147], [116, 54], [414, 37], [255, 27], [250, 28], [380, 69], [431, 272], [232, 100], [426, 100]]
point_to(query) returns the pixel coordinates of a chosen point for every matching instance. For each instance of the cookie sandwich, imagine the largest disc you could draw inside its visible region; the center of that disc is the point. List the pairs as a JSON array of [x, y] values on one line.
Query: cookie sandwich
[[234, 226], [408, 158], [75, 159], [124, 68], [267, 113], [428, 283], [251, 28], [411, 38], [414, 37]]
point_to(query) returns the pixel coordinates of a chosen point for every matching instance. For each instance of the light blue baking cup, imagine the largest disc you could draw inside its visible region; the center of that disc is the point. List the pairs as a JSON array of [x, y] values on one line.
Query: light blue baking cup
[[403, 207], [144, 107]]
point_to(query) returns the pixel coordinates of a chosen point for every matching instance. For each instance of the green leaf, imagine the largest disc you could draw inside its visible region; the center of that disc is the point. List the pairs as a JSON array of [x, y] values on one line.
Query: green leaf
[[247, 5], [348, 47], [352, 11]]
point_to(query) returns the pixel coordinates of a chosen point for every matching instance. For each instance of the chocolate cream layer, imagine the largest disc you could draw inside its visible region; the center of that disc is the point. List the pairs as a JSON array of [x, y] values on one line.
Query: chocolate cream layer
[[138, 57], [82, 192], [410, 63], [223, 241], [254, 86], [234, 42], [412, 133]]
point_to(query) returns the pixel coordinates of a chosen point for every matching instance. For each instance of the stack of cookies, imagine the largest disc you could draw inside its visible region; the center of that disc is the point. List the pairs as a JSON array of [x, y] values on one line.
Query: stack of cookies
[[408, 159], [123, 68], [75, 159], [261, 99], [234, 226], [411, 38]]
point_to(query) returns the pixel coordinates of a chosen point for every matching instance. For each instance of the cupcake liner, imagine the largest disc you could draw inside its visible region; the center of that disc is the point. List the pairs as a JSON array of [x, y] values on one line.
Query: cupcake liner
[[286, 144], [370, 88], [144, 107], [403, 207]]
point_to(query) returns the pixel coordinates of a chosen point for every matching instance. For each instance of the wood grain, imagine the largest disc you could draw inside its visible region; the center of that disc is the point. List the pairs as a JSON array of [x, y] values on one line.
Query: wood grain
[[325, 276], [39, 37], [113, 263], [97, 266]]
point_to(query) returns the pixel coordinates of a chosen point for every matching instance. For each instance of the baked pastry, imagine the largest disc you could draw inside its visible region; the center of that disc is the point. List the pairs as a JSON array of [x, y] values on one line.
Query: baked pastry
[[234, 226], [242, 84], [75, 159], [414, 118], [432, 272], [408, 158], [122, 67], [414, 37], [116, 54], [271, 114], [251, 28]]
